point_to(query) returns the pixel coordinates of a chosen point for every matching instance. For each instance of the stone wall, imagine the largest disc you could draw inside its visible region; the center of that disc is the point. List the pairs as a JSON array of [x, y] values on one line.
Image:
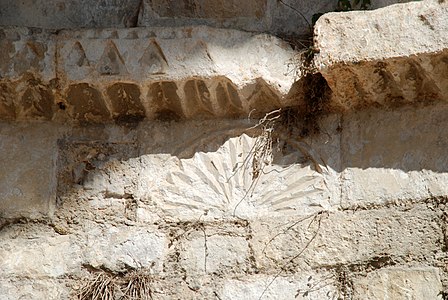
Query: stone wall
[[273, 16], [135, 158], [176, 200]]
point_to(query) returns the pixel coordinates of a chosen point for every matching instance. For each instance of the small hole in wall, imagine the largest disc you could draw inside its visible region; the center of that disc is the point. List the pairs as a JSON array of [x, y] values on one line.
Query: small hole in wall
[[61, 105]]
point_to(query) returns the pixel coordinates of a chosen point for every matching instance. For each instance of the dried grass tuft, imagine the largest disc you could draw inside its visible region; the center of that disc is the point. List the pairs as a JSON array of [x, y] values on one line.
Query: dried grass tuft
[[130, 286], [138, 286], [102, 287]]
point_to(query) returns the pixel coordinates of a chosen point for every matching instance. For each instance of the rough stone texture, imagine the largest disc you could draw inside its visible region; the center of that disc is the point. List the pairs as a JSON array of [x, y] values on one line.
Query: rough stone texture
[[356, 209], [125, 202], [387, 57], [28, 169], [28, 289], [34, 256], [315, 286], [179, 73], [120, 249], [57, 14], [385, 155], [27, 70], [95, 76], [252, 15], [396, 283]]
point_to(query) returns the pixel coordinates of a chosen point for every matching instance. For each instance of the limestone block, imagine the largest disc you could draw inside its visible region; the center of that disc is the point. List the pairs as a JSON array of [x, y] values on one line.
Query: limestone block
[[399, 283], [122, 248], [304, 286], [28, 163], [252, 15], [387, 57], [39, 257], [291, 17], [394, 155], [221, 250], [13, 288], [171, 73], [363, 241], [56, 14]]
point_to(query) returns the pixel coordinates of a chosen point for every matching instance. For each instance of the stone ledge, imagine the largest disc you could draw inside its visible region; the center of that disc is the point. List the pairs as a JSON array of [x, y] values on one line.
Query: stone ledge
[[130, 74], [388, 57]]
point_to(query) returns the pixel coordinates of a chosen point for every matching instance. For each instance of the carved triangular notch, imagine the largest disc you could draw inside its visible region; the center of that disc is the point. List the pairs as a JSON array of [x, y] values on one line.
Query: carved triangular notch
[[77, 56], [153, 60], [111, 62], [201, 49]]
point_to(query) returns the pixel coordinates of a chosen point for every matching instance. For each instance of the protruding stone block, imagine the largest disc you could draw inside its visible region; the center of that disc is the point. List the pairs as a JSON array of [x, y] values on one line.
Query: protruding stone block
[[164, 101], [385, 57], [181, 73], [86, 103], [126, 102]]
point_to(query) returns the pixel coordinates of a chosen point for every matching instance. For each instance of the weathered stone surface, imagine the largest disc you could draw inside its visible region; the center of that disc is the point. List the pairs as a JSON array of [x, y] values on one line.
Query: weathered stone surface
[[27, 72], [213, 249], [358, 242], [126, 102], [7, 98], [104, 166], [291, 17], [39, 257], [355, 210], [159, 71], [304, 286], [400, 283], [226, 185], [129, 74], [394, 155], [345, 37], [57, 14], [140, 54], [13, 288], [387, 57], [123, 248], [27, 50], [255, 15], [28, 163], [247, 15], [86, 104]]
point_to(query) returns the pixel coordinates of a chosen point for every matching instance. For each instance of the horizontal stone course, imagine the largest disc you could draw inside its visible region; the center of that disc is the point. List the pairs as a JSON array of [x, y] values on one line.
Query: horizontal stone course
[[126, 75], [251, 15], [394, 246]]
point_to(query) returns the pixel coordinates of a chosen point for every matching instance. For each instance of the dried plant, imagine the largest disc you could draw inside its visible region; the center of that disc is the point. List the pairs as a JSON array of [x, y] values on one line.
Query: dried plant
[[261, 153], [138, 286], [130, 286], [102, 287]]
